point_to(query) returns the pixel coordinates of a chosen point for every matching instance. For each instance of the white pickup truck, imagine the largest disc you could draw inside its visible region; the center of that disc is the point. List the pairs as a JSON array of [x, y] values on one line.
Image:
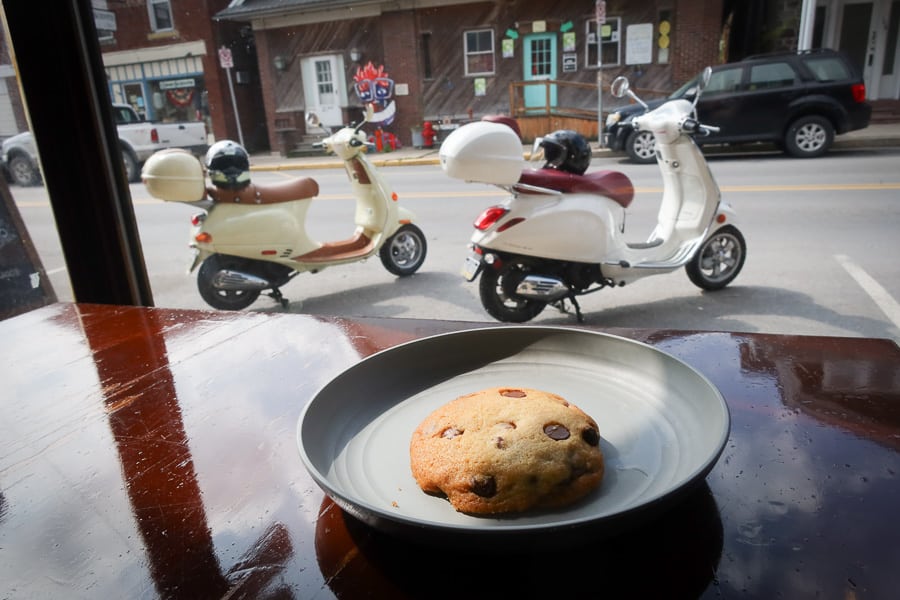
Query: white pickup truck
[[139, 140]]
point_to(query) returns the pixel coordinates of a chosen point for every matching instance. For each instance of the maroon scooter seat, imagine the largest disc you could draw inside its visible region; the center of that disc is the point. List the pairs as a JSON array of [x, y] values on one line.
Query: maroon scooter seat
[[610, 184]]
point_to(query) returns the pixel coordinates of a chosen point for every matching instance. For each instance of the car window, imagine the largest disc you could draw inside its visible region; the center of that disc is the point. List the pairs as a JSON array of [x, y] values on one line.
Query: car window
[[828, 68], [724, 81], [773, 75]]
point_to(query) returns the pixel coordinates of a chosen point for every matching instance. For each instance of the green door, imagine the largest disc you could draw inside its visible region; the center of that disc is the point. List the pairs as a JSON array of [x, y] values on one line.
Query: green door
[[540, 65]]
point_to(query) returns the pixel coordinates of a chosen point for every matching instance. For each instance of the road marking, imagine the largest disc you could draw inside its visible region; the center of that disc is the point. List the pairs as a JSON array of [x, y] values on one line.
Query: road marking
[[878, 294]]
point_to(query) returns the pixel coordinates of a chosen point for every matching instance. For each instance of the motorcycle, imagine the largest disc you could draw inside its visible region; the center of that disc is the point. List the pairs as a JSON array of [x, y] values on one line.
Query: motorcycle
[[251, 237], [560, 235]]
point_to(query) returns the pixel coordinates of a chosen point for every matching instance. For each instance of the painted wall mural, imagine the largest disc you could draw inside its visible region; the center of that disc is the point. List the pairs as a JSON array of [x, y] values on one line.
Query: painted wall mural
[[374, 86]]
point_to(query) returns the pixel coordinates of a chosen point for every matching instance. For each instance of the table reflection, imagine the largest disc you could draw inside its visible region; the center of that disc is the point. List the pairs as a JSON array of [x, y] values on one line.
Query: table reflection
[[152, 453]]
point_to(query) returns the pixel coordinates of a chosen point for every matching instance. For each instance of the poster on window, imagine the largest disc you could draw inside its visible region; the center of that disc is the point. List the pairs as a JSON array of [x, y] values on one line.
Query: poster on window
[[639, 44]]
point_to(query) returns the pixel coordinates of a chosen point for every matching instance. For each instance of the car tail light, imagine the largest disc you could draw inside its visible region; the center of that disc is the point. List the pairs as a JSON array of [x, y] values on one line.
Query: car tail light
[[154, 136], [859, 92], [489, 217], [197, 219]]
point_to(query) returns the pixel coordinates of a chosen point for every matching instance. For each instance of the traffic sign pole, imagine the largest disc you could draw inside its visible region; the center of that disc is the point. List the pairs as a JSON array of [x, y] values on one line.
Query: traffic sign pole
[[227, 62]]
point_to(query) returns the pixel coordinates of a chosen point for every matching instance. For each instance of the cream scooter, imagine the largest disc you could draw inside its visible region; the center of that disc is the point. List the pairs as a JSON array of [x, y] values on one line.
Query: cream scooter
[[560, 235], [254, 239]]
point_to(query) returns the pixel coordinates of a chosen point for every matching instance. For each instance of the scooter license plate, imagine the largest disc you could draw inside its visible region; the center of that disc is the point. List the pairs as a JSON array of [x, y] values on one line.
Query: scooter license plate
[[471, 267]]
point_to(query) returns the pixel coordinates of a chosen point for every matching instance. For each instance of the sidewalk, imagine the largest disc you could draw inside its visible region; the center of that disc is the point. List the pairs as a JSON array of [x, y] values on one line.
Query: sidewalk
[[875, 136]]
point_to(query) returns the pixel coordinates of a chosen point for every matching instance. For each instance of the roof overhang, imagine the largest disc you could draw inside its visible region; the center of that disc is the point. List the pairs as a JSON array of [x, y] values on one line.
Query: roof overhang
[[275, 14]]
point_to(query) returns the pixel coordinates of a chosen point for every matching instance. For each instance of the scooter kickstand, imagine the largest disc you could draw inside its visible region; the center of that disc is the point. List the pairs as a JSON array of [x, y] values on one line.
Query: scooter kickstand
[[276, 295], [578, 314]]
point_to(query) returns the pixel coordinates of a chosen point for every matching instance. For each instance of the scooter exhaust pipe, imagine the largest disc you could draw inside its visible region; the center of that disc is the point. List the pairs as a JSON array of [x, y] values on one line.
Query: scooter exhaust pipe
[[235, 280], [540, 287]]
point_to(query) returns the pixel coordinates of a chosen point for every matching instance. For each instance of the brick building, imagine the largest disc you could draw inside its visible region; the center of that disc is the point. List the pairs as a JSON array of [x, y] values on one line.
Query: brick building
[[461, 59]]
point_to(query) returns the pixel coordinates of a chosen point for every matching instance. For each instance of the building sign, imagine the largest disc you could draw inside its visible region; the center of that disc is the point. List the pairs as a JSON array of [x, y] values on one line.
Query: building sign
[[225, 58], [569, 62], [639, 44], [174, 84]]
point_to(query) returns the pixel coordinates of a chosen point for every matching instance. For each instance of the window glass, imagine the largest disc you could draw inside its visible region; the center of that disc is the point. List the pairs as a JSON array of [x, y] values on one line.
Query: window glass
[[828, 68], [606, 37], [160, 15], [774, 75], [479, 48], [724, 81]]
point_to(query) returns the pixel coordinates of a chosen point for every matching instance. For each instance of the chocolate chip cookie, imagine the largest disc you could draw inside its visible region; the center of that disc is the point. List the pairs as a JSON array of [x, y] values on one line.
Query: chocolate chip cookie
[[507, 450]]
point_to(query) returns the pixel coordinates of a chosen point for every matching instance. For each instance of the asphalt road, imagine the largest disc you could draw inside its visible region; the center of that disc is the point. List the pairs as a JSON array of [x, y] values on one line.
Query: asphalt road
[[822, 250]]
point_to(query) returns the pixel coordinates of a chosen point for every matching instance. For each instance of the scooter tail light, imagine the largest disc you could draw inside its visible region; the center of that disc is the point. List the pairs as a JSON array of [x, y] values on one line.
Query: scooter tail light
[[489, 217], [859, 92], [203, 238]]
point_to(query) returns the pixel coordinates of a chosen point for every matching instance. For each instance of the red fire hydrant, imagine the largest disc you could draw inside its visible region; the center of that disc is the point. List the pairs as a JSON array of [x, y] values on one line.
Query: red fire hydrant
[[428, 134]]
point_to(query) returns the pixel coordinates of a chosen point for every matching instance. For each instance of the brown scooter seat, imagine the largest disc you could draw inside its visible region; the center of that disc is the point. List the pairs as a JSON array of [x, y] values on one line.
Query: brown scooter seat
[[611, 184], [269, 193]]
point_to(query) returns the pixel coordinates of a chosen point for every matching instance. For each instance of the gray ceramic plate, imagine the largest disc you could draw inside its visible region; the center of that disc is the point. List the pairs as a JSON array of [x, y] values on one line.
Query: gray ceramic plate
[[662, 424]]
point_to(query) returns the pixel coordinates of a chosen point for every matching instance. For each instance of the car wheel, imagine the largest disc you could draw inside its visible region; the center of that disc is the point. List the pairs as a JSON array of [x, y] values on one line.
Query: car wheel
[[641, 147], [23, 171], [132, 173], [809, 136]]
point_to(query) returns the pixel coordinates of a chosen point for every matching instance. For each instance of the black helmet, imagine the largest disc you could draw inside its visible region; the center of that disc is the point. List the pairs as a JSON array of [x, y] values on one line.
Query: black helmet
[[566, 150], [228, 165]]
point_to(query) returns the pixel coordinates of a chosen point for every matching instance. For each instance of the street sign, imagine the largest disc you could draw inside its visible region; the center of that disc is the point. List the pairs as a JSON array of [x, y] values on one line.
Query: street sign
[[225, 58], [600, 10]]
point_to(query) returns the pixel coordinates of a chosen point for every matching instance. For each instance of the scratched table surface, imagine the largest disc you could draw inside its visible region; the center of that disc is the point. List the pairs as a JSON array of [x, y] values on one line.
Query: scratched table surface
[[151, 453]]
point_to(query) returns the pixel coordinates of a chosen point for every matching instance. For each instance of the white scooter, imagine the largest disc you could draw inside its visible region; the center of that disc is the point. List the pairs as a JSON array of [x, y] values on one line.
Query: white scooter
[[254, 239], [561, 235]]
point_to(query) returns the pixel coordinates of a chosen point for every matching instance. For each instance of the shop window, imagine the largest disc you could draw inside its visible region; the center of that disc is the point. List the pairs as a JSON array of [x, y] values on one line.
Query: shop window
[[604, 46], [479, 47], [160, 15]]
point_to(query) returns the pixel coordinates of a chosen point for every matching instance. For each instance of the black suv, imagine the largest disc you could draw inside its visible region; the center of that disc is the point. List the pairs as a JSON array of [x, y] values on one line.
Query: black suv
[[798, 101]]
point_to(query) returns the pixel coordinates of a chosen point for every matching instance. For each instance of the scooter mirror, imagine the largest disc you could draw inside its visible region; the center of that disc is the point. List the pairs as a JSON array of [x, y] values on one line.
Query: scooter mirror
[[620, 86], [704, 78], [702, 82]]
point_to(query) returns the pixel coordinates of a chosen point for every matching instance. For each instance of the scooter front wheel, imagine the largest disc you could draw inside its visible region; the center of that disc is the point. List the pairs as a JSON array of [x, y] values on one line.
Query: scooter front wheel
[[404, 252], [218, 298], [497, 291], [718, 260]]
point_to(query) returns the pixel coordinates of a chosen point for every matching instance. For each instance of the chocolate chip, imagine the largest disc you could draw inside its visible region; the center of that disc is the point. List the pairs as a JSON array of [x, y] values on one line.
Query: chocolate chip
[[484, 485], [499, 442], [556, 431], [590, 436], [513, 393], [450, 432]]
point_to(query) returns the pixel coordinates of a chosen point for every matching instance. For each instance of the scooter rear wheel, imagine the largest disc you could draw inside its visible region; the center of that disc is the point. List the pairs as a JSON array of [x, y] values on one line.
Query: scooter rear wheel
[[718, 260], [404, 252], [497, 287], [218, 298]]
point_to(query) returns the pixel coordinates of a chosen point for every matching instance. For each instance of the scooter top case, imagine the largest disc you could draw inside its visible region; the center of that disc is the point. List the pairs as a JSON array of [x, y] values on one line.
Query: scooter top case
[[485, 152], [174, 175]]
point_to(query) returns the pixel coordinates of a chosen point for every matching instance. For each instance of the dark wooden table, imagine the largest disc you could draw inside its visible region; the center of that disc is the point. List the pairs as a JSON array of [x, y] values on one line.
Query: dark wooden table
[[152, 453]]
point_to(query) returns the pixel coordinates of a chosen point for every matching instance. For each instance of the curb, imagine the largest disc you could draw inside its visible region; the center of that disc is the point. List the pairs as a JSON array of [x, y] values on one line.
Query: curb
[[432, 158]]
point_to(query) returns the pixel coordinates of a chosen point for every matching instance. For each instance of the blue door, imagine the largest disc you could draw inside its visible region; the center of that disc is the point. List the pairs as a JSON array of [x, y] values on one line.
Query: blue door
[[540, 65]]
